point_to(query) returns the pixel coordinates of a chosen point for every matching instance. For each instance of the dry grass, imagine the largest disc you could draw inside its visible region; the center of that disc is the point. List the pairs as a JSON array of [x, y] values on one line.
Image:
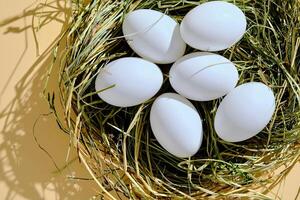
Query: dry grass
[[117, 146]]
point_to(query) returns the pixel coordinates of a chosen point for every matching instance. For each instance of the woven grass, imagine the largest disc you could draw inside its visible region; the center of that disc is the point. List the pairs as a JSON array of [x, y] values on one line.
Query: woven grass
[[116, 145]]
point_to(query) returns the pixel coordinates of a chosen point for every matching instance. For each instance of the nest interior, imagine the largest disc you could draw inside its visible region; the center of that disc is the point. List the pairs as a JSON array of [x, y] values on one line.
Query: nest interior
[[116, 144]]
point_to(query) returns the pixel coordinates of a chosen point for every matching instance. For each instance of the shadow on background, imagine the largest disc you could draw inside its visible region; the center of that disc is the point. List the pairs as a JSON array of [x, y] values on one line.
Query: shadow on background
[[25, 168]]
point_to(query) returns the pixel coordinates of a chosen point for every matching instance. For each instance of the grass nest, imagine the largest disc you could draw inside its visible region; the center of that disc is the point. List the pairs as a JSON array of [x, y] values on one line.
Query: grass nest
[[116, 145]]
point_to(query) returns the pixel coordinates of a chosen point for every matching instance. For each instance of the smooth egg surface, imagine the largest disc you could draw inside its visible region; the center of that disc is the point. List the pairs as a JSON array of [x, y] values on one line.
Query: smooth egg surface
[[153, 36], [202, 76], [128, 81], [213, 26], [176, 125], [244, 112]]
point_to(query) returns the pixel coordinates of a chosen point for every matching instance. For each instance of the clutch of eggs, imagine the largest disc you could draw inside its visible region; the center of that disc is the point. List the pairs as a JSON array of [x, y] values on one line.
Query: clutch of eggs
[[199, 76]]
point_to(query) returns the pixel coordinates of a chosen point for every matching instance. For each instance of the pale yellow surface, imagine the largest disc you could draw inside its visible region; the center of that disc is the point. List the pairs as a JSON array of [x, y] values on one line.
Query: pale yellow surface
[[26, 172]]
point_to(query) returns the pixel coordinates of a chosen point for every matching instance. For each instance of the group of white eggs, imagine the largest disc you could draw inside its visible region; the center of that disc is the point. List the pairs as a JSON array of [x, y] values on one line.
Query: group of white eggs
[[199, 76]]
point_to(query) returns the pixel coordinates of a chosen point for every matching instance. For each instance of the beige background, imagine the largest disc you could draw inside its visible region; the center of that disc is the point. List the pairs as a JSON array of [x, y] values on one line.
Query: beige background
[[26, 172]]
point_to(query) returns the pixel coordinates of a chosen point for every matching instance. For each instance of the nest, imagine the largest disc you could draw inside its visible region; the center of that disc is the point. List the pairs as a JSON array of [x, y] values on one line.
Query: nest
[[116, 145]]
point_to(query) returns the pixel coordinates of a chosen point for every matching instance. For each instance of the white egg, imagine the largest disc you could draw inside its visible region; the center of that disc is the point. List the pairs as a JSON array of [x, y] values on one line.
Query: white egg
[[213, 26], [153, 36], [203, 76], [130, 81], [244, 112], [176, 125]]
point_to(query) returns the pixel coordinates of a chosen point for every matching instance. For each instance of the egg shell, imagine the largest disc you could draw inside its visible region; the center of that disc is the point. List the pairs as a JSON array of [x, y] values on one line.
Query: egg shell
[[203, 76], [244, 112], [153, 36], [131, 81], [176, 125], [213, 26]]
